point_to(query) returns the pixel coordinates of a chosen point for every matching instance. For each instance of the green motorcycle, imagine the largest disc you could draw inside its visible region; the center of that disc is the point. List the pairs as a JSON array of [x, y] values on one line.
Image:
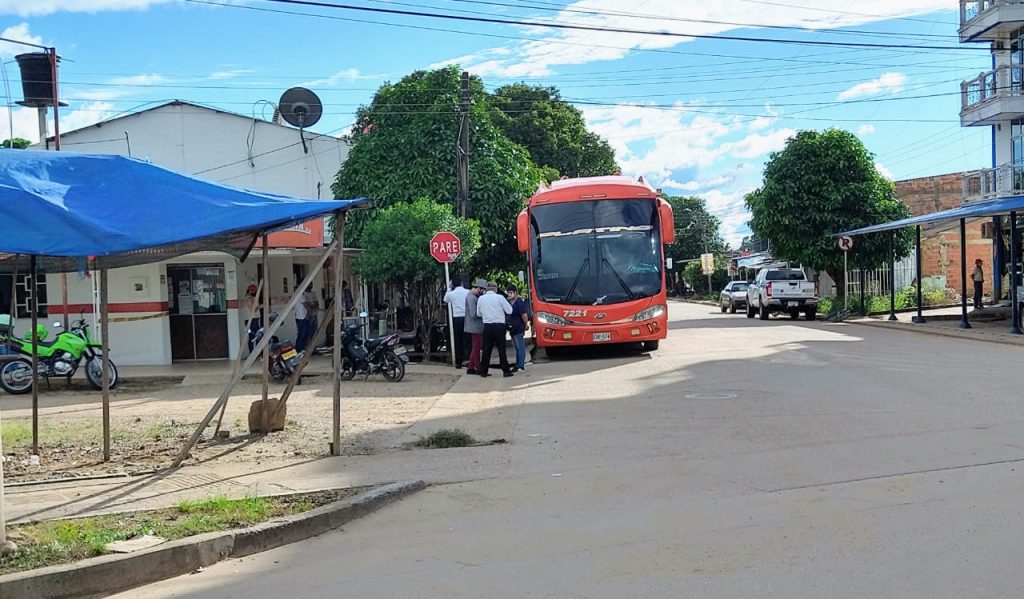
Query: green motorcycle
[[60, 357]]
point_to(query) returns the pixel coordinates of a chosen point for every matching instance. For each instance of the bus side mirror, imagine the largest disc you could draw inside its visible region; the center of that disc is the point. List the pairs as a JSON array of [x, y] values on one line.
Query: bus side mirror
[[523, 231], [668, 223]]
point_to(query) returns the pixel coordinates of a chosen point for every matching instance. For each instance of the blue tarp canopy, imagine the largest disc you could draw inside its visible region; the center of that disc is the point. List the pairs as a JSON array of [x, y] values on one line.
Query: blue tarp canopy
[[940, 221], [71, 208]]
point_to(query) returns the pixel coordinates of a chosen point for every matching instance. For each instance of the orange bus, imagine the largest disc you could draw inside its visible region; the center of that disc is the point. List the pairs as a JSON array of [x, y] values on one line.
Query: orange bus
[[596, 249]]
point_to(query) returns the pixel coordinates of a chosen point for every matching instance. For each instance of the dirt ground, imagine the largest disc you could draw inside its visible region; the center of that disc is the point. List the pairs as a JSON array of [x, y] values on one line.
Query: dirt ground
[[151, 421]]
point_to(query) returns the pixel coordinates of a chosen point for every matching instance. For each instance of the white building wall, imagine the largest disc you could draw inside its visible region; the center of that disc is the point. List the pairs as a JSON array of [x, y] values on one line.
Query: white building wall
[[217, 146]]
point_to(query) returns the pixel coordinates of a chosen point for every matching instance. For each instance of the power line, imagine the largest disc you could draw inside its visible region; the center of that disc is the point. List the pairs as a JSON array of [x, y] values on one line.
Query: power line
[[579, 27], [552, 7], [842, 12]]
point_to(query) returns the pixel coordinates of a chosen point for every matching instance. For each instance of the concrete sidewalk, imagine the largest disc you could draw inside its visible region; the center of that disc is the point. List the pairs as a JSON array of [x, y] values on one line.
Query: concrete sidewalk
[[486, 408], [991, 324]]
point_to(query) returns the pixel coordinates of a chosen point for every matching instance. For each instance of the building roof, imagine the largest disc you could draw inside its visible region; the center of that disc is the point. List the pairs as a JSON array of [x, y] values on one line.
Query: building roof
[[247, 118]]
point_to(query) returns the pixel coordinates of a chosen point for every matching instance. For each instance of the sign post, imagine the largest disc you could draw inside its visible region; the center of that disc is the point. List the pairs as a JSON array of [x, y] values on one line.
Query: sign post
[[445, 247], [846, 244]]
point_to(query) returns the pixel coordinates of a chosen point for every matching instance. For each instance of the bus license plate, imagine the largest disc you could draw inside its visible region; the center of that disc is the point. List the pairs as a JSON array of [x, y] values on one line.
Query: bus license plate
[[288, 355], [599, 337]]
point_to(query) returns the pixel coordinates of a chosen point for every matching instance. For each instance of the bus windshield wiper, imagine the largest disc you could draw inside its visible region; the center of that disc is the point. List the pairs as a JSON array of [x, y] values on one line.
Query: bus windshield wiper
[[579, 275], [629, 292]]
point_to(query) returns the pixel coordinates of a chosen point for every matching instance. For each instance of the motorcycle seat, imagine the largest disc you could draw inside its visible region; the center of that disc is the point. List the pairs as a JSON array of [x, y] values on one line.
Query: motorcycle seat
[[41, 343], [372, 343]]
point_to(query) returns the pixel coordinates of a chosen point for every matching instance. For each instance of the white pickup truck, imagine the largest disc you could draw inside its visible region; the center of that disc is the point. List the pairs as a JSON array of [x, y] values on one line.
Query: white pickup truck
[[782, 290]]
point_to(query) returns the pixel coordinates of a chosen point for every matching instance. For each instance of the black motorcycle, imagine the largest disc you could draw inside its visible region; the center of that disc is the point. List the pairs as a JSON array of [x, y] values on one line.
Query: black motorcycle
[[284, 358], [384, 355]]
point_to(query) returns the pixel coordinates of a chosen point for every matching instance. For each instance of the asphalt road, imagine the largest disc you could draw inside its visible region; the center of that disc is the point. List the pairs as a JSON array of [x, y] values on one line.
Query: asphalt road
[[743, 459]]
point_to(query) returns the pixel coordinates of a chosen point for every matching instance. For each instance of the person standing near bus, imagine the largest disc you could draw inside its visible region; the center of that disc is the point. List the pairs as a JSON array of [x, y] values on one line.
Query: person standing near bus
[[494, 309], [474, 326], [518, 323], [456, 298]]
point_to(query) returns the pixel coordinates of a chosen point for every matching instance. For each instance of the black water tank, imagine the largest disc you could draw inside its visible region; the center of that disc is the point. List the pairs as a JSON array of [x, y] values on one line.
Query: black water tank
[[36, 79]]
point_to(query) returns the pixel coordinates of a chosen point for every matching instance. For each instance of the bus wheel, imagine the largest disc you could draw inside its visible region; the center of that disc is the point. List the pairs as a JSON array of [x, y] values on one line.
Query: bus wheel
[[651, 345]]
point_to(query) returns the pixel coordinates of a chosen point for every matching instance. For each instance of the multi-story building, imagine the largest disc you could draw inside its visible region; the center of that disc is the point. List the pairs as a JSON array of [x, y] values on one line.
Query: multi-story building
[[995, 99]]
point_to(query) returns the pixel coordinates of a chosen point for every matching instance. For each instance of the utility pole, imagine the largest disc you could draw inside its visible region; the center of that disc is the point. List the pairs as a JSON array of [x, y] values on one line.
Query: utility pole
[[463, 157]]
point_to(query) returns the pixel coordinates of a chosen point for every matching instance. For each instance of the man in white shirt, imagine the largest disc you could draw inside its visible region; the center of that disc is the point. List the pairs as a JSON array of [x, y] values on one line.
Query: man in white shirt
[[494, 309], [456, 300]]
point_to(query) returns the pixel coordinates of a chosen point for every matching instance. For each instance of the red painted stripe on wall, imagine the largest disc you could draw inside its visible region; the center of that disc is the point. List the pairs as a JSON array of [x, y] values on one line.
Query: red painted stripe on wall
[[112, 308]]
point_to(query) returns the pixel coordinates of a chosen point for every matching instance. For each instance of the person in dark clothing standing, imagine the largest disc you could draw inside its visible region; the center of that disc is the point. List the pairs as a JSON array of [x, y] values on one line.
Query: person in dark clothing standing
[[494, 309], [978, 276], [518, 322]]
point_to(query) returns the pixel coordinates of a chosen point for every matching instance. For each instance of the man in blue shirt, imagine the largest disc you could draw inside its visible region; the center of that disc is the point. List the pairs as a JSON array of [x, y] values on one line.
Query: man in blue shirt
[[518, 323]]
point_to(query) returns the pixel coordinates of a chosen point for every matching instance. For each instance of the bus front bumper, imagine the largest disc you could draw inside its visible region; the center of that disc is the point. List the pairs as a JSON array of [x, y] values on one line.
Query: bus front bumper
[[632, 332]]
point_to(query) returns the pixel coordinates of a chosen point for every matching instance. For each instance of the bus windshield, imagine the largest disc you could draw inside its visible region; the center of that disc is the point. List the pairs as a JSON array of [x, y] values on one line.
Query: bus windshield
[[596, 252]]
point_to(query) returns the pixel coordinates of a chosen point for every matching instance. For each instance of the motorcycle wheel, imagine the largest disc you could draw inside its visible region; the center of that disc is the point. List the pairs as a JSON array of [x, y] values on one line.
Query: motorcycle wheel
[[393, 369], [16, 377], [94, 372], [347, 371]]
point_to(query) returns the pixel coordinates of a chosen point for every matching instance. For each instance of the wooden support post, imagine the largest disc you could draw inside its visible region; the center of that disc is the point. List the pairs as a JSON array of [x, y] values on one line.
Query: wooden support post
[[105, 347], [268, 331], [238, 358], [338, 307], [34, 306], [266, 314]]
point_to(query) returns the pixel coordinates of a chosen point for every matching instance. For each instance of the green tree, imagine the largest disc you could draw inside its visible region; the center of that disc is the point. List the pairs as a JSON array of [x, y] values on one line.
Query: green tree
[[405, 147], [553, 131], [823, 183], [18, 143], [396, 254], [697, 230], [698, 281]]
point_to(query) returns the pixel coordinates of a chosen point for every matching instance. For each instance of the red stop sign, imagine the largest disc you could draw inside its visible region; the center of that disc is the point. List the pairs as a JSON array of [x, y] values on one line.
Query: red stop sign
[[445, 247]]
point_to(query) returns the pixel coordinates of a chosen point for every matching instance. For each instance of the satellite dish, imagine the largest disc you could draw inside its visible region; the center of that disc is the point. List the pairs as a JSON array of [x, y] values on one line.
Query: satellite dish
[[300, 107]]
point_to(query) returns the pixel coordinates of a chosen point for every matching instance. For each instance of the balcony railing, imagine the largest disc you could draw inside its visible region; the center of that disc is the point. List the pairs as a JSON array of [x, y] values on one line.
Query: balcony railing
[[992, 183], [972, 9], [1004, 82]]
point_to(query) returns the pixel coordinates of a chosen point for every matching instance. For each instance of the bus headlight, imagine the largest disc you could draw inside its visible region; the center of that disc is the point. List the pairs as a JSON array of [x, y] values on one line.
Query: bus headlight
[[649, 313], [549, 318]]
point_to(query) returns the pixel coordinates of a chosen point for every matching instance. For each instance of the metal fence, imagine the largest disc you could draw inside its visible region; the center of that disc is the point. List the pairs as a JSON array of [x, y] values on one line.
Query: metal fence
[[878, 282]]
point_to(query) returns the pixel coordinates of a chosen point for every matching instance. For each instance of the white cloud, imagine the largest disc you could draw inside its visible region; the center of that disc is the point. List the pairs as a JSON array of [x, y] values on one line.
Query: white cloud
[[888, 82], [29, 8], [26, 120], [230, 74], [884, 171], [569, 47], [139, 80], [757, 144], [21, 33], [865, 130], [342, 76]]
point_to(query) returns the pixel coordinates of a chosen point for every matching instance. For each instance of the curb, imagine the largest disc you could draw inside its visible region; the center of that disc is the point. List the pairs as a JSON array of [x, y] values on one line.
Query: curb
[[109, 574], [937, 332]]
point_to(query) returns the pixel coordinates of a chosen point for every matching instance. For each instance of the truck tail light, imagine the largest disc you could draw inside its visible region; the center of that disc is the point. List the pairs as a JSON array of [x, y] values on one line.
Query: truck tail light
[[768, 290]]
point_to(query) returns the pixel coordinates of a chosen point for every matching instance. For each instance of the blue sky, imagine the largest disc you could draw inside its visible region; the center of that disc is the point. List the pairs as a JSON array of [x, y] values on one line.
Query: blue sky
[[693, 115]]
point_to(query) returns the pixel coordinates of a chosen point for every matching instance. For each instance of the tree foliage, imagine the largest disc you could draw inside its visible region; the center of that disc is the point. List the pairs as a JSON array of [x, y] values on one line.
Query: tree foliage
[[823, 183], [405, 147], [18, 143], [552, 130], [396, 253], [697, 230]]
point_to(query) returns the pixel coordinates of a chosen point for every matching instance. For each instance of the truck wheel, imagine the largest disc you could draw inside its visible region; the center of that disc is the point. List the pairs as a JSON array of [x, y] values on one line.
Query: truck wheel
[[812, 314], [750, 310], [762, 312], [794, 314]]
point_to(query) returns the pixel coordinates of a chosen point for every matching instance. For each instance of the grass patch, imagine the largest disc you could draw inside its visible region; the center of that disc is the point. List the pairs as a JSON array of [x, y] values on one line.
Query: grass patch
[[63, 541], [17, 432], [445, 438]]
